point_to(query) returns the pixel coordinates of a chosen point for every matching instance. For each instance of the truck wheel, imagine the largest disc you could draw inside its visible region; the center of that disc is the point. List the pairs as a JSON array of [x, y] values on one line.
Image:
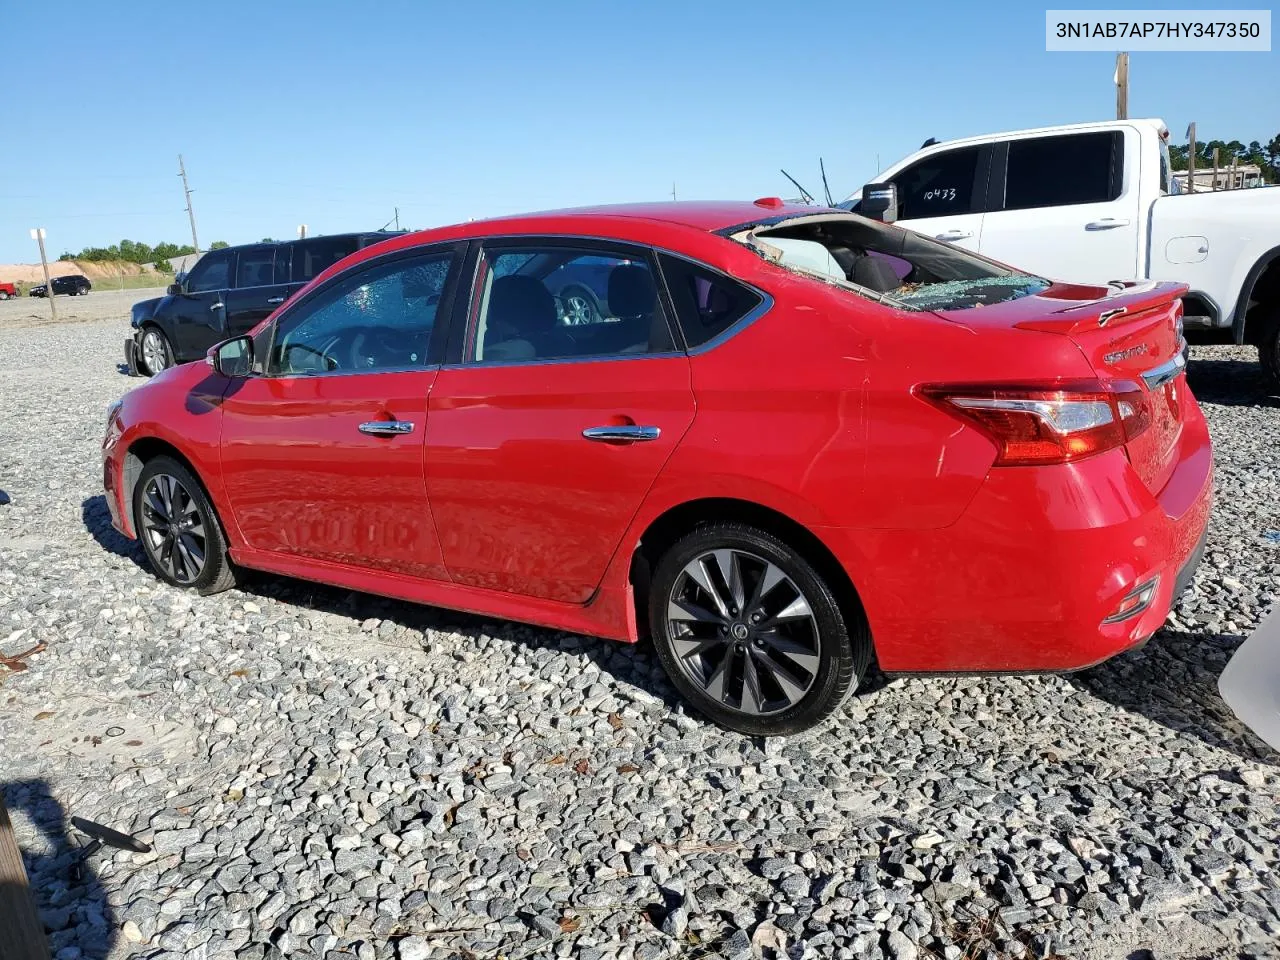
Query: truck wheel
[[4, 294], [156, 353], [1269, 349]]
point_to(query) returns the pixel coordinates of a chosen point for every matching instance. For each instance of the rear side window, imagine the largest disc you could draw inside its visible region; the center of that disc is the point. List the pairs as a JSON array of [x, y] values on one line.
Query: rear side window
[[939, 185], [284, 259], [311, 257], [707, 303], [255, 267], [1065, 170]]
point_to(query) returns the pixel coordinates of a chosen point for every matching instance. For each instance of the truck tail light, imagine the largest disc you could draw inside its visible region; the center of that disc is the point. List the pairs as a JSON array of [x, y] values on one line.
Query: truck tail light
[[1033, 424]]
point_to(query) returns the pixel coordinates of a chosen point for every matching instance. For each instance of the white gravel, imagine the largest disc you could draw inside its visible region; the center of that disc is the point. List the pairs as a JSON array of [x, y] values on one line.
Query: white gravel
[[334, 775]]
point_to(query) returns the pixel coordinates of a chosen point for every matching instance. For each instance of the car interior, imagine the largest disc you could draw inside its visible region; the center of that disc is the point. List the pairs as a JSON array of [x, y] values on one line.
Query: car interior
[[522, 320]]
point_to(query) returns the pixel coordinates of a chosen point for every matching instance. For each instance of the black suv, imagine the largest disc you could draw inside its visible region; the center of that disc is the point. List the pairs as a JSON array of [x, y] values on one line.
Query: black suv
[[73, 285], [227, 293]]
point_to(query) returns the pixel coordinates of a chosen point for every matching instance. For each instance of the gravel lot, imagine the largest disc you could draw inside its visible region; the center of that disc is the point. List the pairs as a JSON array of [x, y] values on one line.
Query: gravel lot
[[333, 775]]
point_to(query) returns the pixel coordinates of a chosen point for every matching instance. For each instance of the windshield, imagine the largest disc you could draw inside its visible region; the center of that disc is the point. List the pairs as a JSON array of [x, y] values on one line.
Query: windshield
[[888, 264]]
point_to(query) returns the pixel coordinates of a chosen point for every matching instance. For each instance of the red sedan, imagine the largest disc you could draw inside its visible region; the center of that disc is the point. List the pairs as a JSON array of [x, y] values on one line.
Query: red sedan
[[784, 439]]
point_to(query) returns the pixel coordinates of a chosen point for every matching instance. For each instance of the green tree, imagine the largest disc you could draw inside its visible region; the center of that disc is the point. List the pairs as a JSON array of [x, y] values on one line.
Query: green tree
[[218, 245]]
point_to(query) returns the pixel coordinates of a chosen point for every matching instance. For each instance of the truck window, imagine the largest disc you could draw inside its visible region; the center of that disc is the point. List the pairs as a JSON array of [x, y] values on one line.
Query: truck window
[[310, 257], [211, 272], [940, 185], [255, 267], [1064, 170]]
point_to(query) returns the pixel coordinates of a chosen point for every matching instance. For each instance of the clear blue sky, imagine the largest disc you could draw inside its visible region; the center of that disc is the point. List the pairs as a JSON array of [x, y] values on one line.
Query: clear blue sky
[[332, 113]]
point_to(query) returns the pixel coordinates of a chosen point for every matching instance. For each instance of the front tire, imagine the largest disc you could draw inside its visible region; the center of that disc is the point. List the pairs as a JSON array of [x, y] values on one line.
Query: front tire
[[154, 351], [179, 528], [750, 633]]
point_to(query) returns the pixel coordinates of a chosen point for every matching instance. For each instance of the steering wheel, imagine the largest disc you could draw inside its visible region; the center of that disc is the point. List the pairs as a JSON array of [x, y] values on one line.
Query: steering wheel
[[325, 355]]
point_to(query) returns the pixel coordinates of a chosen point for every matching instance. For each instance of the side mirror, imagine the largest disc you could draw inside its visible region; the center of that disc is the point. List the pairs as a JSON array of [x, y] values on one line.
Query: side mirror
[[232, 358], [880, 202], [173, 289]]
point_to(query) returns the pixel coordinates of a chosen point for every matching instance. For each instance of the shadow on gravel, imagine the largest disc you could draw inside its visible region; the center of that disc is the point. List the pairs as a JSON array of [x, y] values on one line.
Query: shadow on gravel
[[97, 520], [1230, 383], [629, 663], [1173, 680], [71, 900]]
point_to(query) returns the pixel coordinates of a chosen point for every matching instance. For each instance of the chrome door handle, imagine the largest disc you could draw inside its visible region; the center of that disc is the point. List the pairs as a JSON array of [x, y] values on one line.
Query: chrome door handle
[[955, 235], [275, 300], [386, 428], [217, 306], [622, 432], [1106, 223]]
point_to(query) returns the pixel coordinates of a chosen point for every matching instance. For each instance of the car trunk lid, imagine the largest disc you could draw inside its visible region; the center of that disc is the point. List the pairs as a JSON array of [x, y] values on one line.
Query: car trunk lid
[[1130, 332]]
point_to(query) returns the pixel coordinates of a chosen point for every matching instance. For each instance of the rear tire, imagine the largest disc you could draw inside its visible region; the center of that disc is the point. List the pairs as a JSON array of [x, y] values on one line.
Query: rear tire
[[1269, 349], [750, 633], [179, 529]]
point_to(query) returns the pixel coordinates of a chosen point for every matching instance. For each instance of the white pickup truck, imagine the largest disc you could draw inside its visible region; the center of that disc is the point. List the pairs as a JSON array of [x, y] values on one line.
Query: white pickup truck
[[1092, 202]]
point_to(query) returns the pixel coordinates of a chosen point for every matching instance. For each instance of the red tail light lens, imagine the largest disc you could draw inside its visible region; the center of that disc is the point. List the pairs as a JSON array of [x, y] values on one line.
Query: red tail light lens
[[1048, 423]]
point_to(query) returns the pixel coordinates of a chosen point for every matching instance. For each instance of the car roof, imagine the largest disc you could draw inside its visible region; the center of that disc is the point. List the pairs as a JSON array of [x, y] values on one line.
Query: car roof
[[710, 216]]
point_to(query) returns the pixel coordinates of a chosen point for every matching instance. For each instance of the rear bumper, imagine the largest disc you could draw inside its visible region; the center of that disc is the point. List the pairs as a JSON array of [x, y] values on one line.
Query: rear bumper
[[1025, 580]]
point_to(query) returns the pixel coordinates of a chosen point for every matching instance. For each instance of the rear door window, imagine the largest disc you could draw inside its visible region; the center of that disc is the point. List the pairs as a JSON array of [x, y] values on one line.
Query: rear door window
[[1064, 170], [255, 267], [708, 304]]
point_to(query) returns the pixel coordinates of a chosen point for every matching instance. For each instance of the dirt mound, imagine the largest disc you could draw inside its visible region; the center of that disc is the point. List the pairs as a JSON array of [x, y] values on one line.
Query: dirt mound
[[94, 270]]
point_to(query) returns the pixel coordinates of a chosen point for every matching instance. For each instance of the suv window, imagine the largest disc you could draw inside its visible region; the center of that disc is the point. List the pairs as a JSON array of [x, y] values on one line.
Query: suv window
[[311, 257], [1064, 170], [556, 302], [255, 267], [378, 318], [940, 185], [707, 303], [212, 272], [284, 257]]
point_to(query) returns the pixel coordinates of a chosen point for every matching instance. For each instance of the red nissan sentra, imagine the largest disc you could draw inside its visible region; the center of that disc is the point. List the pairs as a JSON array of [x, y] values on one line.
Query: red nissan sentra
[[772, 438]]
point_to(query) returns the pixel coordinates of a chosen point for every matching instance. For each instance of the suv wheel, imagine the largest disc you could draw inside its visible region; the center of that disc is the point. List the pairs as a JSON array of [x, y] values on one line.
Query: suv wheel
[[750, 633], [178, 528], [155, 351]]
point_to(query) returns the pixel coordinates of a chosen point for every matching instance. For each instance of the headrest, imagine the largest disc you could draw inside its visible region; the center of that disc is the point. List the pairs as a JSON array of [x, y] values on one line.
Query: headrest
[[631, 291], [523, 303]]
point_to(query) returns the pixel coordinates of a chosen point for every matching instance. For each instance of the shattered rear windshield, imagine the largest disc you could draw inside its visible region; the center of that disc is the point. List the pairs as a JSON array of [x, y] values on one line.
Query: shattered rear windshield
[[887, 264]]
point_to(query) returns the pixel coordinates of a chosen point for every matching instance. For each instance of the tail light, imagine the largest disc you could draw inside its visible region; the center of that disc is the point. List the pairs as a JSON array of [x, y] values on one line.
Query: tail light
[[1048, 423]]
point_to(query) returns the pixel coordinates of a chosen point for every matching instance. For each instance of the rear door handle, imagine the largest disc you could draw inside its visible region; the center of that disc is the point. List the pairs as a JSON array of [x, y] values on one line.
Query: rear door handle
[[954, 235], [387, 428], [217, 305], [1106, 223], [622, 433], [275, 300]]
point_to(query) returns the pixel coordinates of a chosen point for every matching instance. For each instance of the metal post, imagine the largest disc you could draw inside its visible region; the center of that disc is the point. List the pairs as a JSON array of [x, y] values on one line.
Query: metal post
[[302, 231], [191, 214], [1215, 169], [1122, 86], [38, 236]]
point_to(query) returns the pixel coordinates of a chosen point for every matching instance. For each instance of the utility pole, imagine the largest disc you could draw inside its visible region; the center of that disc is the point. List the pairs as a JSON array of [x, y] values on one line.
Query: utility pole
[[38, 236], [397, 219], [1191, 158], [302, 231], [1122, 86], [1215, 169], [191, 214], [673, 189]]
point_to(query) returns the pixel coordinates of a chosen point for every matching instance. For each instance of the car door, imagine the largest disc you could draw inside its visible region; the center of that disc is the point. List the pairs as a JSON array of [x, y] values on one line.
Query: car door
[[544, 435], [943, 195], [1062, 207], [197, 315], [322, 453], [255, 294]]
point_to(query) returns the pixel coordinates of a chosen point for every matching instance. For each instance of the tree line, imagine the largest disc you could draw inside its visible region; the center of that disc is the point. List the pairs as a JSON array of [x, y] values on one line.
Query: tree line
[[132, 251], [1265, 156]]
